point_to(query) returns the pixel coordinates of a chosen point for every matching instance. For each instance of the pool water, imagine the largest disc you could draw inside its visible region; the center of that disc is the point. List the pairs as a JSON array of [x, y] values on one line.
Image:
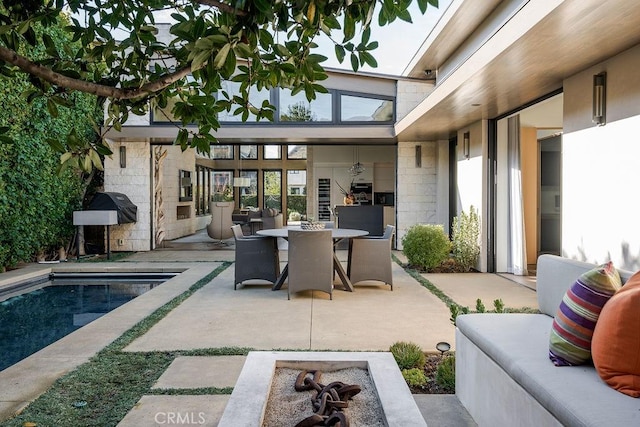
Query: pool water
[[33, 320]]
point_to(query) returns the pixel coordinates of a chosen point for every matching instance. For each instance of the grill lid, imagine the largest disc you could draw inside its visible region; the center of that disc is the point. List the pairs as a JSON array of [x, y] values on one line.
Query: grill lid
[[109, 201]]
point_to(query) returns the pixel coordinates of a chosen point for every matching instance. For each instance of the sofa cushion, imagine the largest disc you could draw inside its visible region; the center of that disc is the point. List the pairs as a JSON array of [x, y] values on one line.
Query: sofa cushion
[[616, 340], [518, 343], [575, 320], [269, 212]]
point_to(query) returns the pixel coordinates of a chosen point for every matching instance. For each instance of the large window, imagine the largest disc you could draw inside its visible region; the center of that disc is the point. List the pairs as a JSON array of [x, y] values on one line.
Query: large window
[[203, 190], [249, 195], [272, 184], [364, 109], [256, 98], [221, 189], [296, 108], [335, 107], [296, 194]]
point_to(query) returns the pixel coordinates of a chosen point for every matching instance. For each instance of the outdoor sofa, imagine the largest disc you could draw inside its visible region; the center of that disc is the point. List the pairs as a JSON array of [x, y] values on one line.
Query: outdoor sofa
[[504, 376]]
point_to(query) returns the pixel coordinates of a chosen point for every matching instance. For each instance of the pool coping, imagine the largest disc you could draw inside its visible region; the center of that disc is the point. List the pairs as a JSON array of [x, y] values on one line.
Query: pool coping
[[24, 381]]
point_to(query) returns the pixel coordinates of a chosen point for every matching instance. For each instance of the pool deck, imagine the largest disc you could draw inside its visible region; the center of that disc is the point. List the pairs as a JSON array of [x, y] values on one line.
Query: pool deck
[[369, 319]]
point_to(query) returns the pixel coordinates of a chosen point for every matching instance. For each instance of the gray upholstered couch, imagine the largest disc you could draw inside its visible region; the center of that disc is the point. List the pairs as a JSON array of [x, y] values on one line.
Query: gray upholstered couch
[[504, 376]]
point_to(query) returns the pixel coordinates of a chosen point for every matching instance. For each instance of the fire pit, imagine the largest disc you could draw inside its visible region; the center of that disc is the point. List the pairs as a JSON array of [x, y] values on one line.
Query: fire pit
[[257, 383]]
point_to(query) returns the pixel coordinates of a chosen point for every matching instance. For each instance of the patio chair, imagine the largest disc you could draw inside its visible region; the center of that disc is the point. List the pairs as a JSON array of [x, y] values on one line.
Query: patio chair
[[370, 258], [221, 221], [256, 257], [310, 261]]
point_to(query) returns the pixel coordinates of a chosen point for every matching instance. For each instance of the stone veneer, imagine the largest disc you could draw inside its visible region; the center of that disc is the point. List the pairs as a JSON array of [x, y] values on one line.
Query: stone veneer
[[409, 94], [134, 181], [422, 195]]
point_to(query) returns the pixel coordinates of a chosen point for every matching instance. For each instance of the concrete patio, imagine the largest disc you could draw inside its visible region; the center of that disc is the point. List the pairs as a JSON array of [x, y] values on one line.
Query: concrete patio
[[369, 319]]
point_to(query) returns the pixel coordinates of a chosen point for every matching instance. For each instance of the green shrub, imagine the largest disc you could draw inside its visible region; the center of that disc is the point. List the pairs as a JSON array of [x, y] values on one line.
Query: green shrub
[[294, 216], [297, 203], [408, 355], [446, 374], [414, 377], [426, 245], [37, 203], [465, 237]]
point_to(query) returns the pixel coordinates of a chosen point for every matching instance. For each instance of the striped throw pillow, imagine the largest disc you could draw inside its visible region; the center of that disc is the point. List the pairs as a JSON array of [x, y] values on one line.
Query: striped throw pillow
[[575, 320]]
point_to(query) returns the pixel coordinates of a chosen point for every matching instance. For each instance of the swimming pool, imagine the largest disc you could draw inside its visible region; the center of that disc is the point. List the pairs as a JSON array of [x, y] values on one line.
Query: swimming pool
[[43, 311]]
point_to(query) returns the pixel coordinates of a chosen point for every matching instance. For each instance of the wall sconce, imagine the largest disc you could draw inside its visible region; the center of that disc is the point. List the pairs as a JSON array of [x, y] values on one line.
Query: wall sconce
[[600, 99], [466, 145], [418, 156], [123, 156]]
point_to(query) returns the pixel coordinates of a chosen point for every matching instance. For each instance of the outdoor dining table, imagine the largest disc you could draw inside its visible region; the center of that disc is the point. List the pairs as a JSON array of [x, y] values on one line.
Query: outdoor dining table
[[337, 234]]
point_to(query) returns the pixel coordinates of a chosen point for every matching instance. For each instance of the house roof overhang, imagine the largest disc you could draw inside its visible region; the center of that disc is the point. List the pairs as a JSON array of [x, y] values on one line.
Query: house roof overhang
[[527, 57]]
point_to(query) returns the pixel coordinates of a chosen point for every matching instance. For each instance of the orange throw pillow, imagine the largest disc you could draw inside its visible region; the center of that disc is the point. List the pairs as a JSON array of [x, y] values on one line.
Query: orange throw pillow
[[615, 347]]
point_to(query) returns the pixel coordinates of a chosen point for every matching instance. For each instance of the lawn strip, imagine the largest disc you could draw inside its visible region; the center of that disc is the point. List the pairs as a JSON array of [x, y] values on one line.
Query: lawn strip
[[190, 391]]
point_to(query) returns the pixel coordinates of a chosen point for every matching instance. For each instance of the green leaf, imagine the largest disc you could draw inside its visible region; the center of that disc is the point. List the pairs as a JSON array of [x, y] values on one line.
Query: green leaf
[[316, 59], [56, 145], [182, 137], [367, 58], [349, 27], [51, 106], [354, 62], [405, 16], [229, 66], [366, 35], [200, 59], [49, 45], [339, 53], [263, 6]]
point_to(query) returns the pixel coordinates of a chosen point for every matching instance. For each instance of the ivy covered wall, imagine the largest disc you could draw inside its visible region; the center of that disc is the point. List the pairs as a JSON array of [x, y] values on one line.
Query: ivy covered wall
[[36, 204]]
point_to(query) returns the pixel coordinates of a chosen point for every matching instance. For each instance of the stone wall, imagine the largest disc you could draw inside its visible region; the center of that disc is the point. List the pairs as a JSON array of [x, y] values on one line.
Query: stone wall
[[133, 181], [409, 94], [420, 198]]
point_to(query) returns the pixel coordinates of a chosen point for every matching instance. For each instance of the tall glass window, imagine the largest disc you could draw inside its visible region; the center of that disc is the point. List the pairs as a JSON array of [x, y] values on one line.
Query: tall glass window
[[296, 108], [249, 195], [296, 194], [221, 189], [363, 109], [203, 190], [272, 185]]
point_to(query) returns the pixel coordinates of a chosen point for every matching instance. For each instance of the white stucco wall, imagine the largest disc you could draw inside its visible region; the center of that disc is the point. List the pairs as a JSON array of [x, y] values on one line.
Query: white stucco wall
[[472, 180], [601, 166]]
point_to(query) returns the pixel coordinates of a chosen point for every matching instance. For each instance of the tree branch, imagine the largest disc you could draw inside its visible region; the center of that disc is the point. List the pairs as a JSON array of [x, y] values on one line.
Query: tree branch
[[48, 75]]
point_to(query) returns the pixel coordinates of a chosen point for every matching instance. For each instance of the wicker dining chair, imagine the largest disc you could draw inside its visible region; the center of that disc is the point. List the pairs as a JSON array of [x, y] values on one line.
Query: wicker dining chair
[[370, 258], [310, 261], [256, 257]]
